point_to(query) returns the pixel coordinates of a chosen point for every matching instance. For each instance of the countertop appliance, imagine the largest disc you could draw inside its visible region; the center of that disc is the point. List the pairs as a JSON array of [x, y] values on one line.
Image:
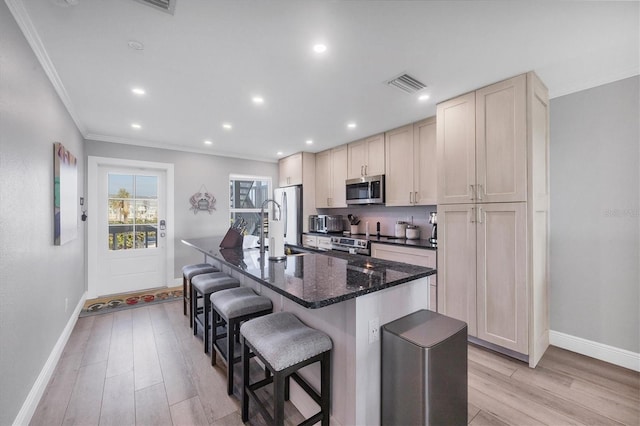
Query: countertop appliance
[[351, 245], [290, 200], [433, 220], [365, 190], [326, 223]]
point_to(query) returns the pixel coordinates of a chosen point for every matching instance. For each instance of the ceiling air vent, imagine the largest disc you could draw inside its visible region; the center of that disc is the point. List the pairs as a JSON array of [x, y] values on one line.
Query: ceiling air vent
[[163, 5], [406, 83]]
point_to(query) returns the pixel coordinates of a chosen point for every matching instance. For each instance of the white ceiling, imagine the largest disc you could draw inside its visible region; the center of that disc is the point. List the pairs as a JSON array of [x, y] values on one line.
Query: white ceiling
[[201, 66]]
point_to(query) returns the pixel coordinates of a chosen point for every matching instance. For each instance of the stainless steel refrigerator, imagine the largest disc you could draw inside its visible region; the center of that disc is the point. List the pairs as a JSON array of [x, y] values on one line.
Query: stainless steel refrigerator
[[290, 200]]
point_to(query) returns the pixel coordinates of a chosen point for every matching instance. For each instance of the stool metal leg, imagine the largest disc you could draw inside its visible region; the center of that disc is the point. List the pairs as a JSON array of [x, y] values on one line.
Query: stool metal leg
[[244, 395], [278, 395], [215, 319], [231, 333], [193, 311], [205, 332], [184, 295], [325, 387]]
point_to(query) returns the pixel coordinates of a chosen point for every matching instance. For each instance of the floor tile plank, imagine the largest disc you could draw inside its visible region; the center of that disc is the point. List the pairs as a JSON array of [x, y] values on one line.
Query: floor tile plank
[[86, 399], [118, 401], [189, 413], [146, 365], [152, 407]]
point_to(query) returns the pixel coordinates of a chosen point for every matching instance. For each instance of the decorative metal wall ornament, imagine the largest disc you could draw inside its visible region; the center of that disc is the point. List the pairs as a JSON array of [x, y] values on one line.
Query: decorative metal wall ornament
[[202, 201]]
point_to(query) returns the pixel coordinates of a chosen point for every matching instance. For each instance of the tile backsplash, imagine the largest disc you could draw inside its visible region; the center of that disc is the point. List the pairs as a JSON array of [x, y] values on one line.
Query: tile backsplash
[[387, 216]]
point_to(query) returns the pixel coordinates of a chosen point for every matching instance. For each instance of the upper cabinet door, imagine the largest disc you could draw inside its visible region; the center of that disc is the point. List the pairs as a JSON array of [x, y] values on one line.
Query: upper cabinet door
[[357, 152], [424, 160], [456, 148], [290, 170], [323, 179], [366, 157], [399, 167], [501, 142], [375, 155], [339, 176]]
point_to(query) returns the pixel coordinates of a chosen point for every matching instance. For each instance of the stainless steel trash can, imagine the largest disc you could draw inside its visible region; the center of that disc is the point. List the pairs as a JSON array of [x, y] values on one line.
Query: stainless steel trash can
[[424, 370]]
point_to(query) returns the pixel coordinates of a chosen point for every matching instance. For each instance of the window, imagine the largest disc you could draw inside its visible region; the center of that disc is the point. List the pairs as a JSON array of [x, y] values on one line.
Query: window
[[246, 195], [133, 211]]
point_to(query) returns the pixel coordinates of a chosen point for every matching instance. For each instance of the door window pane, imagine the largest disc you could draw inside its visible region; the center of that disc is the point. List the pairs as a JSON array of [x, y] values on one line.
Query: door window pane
[[246, 195], [133, 211]]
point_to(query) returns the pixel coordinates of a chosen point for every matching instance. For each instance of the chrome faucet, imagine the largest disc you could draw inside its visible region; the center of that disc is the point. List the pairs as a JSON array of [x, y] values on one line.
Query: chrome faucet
[[262, 224]]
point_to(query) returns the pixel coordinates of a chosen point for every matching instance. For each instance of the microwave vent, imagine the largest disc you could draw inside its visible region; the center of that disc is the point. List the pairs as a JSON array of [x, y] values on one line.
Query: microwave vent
[[407, 83]]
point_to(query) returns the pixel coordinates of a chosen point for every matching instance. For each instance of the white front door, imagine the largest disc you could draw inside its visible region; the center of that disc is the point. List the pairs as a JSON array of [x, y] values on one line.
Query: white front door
[[129, 228]]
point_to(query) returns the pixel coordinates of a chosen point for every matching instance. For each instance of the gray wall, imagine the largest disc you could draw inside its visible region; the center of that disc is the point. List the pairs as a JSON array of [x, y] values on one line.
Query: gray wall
[[191, 171], [595, 214], [35, 276]]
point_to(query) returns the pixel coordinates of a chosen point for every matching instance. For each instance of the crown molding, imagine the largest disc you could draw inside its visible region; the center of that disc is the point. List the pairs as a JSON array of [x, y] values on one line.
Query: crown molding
[[20, 14], [174, 147]]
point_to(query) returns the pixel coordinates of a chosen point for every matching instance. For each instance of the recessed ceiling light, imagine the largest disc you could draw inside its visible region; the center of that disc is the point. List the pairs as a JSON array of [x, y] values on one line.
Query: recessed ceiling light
[[138, 91], [258, 100], [309, 142], [423, 97], [319, 48], [136, 126], [227, 126], [351, 125], [135, 45], [279, 153], [207, 142]]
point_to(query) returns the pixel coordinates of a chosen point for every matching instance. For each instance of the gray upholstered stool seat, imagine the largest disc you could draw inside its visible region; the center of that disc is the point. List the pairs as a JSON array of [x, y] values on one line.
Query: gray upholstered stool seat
[[188, 272], [284, 344], [202, 286], [233, 307]]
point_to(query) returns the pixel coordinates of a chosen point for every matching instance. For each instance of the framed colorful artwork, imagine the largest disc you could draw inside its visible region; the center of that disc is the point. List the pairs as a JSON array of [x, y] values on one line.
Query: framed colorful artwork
[[65, 195]]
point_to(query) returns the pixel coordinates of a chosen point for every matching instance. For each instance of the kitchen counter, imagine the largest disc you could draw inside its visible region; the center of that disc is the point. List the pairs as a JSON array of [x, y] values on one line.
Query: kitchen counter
[[346, 296], [313, 279]]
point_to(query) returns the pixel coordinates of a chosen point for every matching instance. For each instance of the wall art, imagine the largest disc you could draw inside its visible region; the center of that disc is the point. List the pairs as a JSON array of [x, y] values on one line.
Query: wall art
[[202, 200], [65, 195]]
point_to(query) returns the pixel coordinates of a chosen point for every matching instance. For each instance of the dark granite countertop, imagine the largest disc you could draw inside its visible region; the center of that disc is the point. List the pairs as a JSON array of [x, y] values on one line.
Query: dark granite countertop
[[424, 244], [311, 278]]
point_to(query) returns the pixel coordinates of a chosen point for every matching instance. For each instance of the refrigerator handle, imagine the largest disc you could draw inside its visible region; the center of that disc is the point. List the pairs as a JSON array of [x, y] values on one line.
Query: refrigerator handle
[[284, 212]]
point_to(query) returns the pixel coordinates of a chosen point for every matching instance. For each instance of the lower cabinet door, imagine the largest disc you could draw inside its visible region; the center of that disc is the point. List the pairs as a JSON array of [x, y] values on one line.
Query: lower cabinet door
[[501, 275], [457, 263]]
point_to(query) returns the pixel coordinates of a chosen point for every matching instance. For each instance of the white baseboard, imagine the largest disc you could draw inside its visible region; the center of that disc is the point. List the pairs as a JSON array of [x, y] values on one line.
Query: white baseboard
[[610, 354], [33, 398]]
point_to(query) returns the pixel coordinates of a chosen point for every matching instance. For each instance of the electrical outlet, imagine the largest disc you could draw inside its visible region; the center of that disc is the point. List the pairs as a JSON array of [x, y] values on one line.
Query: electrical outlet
[[66, 304], [374, 330]]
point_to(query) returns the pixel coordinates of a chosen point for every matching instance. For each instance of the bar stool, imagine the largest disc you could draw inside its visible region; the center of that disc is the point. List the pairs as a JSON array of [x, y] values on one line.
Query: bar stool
[[202, 286], [285, 345], [233, 307], [188, 272]]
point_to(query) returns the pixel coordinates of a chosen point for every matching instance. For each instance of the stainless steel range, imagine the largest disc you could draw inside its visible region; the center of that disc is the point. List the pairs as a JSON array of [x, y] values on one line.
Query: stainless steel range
[[351, 245]]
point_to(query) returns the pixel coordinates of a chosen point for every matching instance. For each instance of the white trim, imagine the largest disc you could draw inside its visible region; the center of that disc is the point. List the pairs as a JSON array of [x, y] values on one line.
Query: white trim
[[174, 147], [92, 229], [610, 354], [21, 16], [37, 390]]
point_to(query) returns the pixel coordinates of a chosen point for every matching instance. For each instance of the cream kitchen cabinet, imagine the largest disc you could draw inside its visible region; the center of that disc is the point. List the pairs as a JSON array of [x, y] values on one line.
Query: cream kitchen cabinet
[[331, 174], [366, 157], [482, 143], [290, 170], [300, 169], [483, 263], [410, 177], [413, 256], [493, 253]]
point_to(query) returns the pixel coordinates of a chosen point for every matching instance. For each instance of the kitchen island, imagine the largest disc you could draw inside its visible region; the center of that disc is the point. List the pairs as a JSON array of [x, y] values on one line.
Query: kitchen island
[[346, 296]]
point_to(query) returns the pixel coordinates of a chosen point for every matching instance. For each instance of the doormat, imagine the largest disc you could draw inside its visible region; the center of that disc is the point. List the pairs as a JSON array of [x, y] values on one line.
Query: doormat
[[116, 302]]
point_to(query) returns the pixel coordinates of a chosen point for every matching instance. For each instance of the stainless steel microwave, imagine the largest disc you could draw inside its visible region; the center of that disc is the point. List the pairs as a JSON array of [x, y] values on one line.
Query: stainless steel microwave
[[365, 190]]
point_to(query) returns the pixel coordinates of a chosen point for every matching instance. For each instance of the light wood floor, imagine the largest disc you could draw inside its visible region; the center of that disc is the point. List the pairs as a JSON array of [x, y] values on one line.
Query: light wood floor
[[143, 366]]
